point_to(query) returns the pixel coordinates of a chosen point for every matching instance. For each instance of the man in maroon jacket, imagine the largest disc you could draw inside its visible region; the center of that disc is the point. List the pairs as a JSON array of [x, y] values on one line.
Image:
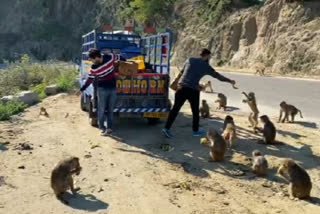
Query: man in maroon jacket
[[103, 69]]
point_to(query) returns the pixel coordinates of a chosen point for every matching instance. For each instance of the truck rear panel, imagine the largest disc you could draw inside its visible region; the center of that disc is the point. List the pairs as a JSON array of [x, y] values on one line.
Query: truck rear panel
[[141, 95]]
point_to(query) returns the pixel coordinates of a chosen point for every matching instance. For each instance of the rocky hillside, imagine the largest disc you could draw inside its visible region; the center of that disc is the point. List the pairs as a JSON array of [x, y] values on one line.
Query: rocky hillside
[[46, 29], [283, 35]]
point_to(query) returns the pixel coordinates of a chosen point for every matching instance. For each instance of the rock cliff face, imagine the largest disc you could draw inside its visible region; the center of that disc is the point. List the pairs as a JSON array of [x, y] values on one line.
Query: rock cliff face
[[45, 29], [283, 36]]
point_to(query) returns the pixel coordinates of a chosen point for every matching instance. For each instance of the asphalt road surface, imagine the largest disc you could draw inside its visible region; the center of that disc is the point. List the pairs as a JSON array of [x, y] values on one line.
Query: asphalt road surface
[[270, 91]]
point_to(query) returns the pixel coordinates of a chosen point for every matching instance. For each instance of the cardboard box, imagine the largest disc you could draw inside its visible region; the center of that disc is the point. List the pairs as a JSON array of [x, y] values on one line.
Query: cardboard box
[[127, 68]]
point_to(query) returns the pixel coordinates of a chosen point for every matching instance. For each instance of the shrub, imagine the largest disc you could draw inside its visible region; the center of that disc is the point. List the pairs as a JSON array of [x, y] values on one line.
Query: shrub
[[40, 90], [66, 81], [10, 108], [25, 75]]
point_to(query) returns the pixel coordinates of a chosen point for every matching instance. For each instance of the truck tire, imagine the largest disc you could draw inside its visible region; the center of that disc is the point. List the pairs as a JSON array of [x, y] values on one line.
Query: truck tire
[[153, 121], [82, 103], [93, 121], [92, 116]]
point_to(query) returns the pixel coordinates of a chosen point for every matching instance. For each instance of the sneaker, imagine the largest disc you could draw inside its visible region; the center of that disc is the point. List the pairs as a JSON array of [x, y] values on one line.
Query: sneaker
[[107, 132], [199, 133], [167, 133]]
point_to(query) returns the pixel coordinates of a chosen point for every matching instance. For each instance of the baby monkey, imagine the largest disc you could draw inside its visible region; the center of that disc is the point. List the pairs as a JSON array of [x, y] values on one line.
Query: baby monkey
[[43, 111], [229, 131], [205, 110], [259, 164], [300, 184], [61, 177], [222, 100]]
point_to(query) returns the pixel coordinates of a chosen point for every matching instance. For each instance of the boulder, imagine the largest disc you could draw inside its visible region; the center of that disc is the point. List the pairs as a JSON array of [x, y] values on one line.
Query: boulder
[[6, 98], [52, 90], [28, 97]]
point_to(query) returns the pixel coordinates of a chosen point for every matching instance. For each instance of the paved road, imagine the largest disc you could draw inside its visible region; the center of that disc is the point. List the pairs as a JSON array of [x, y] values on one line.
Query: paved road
[[270, 91]]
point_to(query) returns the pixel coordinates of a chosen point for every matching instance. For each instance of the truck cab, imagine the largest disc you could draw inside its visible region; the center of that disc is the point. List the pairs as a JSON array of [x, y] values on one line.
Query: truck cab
[[141, 95]]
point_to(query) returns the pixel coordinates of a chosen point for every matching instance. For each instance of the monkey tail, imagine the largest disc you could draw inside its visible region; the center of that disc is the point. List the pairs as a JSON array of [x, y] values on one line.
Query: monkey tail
[[300, 114]]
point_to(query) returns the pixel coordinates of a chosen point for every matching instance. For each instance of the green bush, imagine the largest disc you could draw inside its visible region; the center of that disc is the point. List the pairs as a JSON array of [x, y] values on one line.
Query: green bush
[[66, 81], [40, 90], [10, 108], [25, 75]]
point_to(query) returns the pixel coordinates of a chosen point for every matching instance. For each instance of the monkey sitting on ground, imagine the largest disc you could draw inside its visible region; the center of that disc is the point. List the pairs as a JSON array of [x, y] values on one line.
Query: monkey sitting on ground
[[259, 163], [43, 111], [288, 110], [217, 145], [204, 86], [222, 100], [229, 131], [205, 110], [269, 130], [253, 117], [61, 177], [300, 183]]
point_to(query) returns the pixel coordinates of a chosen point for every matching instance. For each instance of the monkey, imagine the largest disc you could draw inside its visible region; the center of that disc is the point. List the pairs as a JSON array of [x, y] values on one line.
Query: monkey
[[229, 131], [227, 119], [205, 110], [61, 177], [288, 110], [222, 100], [260, 163], [217, 145], [253, 117], [43, 111], [204, 86], [300, 182], [260, 69], [269, 130]]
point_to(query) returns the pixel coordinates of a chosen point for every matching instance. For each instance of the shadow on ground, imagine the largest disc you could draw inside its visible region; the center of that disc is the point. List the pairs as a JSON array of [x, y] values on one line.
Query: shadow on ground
[[190, 156], [85, 202], [311, 125]]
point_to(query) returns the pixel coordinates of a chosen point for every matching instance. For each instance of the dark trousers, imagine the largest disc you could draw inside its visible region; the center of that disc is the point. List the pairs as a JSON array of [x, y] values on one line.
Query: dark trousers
[[183, 94]]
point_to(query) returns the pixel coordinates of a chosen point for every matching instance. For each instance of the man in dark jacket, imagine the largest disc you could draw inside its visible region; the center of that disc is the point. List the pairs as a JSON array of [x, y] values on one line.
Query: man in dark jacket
[[188, 89]]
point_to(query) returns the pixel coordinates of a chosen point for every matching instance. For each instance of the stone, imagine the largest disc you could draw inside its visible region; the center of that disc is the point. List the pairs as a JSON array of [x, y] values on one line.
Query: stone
[[28, 97], [52, 90], [6, 98]]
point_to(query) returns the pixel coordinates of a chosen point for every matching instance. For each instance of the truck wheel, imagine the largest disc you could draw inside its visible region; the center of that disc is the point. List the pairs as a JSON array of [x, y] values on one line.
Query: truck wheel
[[82, 104], [92, 116], [94, 122], [153, 121]]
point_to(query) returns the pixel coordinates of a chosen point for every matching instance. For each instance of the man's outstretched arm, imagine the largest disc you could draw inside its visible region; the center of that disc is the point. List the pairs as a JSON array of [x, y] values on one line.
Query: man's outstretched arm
[[220, 77]]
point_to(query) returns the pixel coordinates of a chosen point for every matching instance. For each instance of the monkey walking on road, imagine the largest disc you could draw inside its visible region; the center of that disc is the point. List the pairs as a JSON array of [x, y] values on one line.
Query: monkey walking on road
[[61, 177], [253, 117], [288, 110], [260, 69], [300, 182]]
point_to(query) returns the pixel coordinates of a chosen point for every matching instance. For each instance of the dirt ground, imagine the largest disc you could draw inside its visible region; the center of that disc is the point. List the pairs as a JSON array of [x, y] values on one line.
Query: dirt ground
[[132, 174]]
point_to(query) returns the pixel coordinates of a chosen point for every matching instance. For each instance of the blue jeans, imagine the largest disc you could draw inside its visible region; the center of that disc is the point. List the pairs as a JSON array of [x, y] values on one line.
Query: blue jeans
[[106, 102]]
